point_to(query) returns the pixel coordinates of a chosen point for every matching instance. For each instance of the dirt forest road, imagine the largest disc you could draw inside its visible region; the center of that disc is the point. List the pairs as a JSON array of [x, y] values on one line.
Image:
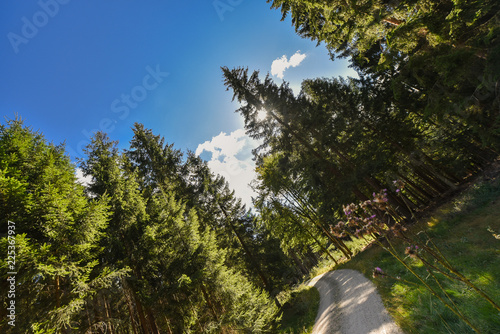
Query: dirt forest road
[[350, 304]]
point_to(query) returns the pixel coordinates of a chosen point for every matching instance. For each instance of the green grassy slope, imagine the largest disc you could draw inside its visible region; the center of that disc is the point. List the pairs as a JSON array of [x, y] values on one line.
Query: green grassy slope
[[466, 230]]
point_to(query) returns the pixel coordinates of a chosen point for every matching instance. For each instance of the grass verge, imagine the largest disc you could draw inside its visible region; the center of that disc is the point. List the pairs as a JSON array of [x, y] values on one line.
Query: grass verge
[[326, 264], [300, 307]]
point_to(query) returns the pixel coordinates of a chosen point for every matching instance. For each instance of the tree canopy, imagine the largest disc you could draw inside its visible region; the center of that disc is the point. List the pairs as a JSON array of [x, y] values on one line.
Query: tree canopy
[[155, 243]]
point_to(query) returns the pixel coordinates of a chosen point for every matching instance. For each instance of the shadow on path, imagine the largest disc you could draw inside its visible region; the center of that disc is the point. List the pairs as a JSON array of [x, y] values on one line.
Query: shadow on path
[[350, 304]]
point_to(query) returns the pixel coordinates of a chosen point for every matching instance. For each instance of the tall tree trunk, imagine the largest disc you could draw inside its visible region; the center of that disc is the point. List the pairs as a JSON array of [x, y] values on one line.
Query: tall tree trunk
[[88, 314], [311, 256], [444, 171], [426, 197], [209, 302], [130, 309], [247, 251], [323, 248], [297, 261], [142, 317], [108, 317], [152, 321], [58, 297], [168, 325], [138, 306], [346, 251], [305, 212], [431, 183], [415, 197]]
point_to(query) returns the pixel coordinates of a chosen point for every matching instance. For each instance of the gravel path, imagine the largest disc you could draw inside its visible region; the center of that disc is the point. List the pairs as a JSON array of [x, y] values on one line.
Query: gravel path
[[350, 304]]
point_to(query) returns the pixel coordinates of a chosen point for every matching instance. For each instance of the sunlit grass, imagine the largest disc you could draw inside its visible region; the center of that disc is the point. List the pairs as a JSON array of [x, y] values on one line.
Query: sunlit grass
[[326, 264]]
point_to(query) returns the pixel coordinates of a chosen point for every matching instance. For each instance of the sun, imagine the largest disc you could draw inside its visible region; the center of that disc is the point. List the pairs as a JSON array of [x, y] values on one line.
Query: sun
[[261, 115]]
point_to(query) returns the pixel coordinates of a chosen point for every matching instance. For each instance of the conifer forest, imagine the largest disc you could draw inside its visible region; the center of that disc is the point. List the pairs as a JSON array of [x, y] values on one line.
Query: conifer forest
[[158, 243]]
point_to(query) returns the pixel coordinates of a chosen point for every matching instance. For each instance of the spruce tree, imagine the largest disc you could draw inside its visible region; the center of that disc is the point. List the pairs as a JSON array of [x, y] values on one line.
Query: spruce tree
[[58, 230]]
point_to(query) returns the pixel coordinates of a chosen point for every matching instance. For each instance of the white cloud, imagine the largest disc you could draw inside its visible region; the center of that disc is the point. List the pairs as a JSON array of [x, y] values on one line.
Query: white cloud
[[296, 59], [83, 180], [279, 65], [232, 159]]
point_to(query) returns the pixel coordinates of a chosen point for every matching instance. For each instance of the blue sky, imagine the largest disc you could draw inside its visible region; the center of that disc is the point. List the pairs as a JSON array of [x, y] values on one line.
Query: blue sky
[[72, 67]]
